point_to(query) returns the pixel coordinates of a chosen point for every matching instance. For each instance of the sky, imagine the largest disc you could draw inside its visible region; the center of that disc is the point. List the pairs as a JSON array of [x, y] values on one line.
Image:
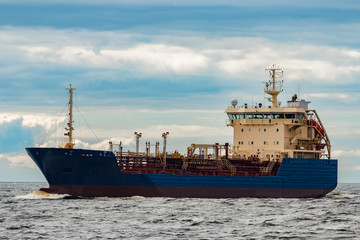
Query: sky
[[158, 66]]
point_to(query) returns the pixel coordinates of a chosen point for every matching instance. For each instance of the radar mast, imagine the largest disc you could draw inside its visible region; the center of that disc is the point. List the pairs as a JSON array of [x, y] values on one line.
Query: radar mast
[[274, 86], [70, 128]]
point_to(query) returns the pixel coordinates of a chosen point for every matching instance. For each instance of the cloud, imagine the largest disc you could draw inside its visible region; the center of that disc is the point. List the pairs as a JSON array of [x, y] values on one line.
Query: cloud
[[104, 144], [22, 160], [348, 131], [348, 160], [327, 66], [146, 57], [31, 120], [329, 95], [7, 118], [351, 53], [346, 153], [184, 131], [177, 131], [225, 57], [160, 58], [180, 137]]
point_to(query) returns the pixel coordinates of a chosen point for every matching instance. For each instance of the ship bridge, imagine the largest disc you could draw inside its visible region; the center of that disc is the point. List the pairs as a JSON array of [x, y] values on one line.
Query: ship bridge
[[274, 132]]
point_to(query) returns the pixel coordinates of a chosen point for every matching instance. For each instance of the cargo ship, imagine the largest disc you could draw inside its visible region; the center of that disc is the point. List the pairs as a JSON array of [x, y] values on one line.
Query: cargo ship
[[276, 152]]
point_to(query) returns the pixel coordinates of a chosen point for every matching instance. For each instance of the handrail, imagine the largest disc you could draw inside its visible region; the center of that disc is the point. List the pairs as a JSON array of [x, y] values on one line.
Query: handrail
[[324, 134]]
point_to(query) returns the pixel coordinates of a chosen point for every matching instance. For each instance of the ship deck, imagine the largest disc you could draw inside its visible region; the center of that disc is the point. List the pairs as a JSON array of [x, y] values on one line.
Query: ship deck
[[197, 166]]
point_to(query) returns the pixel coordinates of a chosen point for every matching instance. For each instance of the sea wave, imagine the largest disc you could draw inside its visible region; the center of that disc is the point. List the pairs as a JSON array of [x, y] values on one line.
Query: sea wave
[[38, 194], [342, 196], [333, 217], [136, 196]]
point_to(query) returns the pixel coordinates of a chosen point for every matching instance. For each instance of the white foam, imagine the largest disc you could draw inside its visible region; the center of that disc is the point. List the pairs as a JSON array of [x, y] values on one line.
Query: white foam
[[342, 196], [137, 196], [42, 195]]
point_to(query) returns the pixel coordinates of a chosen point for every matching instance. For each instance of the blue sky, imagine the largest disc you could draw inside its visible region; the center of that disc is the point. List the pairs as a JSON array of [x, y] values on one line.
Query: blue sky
[[155, 66]]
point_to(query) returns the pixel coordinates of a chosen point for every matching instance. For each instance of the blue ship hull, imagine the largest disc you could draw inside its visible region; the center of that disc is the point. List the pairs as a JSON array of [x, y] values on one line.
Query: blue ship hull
[[93, 173]]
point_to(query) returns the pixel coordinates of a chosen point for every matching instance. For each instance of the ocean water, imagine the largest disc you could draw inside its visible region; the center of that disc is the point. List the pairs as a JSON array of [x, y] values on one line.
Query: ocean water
[[29, 214]]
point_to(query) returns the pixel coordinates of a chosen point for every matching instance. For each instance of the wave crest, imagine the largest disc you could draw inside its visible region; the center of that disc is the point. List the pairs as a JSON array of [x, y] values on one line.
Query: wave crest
[[38, 194]]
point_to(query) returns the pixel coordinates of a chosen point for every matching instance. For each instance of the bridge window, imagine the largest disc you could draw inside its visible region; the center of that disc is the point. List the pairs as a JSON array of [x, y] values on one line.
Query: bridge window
[[289, 115], [233, 116], [242, 116], [267, 115], [258, 116], [278, 115], [249, 116], [300, 116]]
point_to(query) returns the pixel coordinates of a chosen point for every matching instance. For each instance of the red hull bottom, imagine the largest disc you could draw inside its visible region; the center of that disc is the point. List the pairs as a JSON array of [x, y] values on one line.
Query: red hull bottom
[[183, 192]]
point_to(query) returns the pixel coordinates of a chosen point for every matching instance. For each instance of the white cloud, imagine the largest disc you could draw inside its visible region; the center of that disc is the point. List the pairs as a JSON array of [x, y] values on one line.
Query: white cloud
[[146, 57], [184, 131], [22, 160], [351, 53], [232, 57], [348, 160], [348, 131], [104, 144], [328, 95], [155, 131], [160, 58], [31, 120], [7, 118], [346, 153]]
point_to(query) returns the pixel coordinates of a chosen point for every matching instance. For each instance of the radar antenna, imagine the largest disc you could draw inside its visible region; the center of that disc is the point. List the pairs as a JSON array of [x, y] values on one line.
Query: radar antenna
[[274, 86]]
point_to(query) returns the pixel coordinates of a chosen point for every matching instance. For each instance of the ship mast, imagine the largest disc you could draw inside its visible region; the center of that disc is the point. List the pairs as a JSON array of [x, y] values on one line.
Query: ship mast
[[274, 87], [70, 128]]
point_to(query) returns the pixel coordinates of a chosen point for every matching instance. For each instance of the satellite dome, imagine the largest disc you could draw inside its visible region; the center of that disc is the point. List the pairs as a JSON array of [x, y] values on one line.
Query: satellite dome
[[234, 102]]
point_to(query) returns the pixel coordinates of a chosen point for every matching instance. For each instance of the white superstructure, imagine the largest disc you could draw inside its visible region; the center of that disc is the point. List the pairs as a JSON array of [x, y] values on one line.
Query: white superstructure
[[274, 133]]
